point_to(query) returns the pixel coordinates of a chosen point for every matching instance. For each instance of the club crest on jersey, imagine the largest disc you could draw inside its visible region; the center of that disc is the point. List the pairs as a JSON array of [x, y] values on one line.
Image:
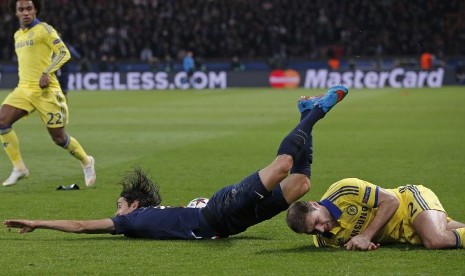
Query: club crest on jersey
[[352, 210], [56, 41]]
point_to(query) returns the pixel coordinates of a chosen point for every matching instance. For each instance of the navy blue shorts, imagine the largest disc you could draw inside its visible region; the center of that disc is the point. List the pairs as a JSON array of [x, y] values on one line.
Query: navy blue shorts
[[235, 208]]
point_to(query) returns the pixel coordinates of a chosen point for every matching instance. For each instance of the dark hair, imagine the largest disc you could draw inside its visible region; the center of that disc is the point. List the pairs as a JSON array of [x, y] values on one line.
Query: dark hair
[[12, 5], [296, 214], [138, 186]]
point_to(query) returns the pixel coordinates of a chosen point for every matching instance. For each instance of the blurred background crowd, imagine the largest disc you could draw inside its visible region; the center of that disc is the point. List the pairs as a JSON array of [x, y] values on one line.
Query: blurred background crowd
[[149, 30]]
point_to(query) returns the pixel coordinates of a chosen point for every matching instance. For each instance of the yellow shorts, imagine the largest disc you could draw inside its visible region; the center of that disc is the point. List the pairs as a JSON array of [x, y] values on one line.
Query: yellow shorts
[[414, 200], [49, 102]]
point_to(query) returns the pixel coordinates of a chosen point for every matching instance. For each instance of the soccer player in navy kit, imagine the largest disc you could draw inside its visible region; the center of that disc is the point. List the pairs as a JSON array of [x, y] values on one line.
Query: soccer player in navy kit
[[230, 210]]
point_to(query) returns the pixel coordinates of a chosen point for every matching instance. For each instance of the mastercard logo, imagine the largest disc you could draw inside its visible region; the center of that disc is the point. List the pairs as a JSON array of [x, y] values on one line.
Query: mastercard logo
[[284, 79]]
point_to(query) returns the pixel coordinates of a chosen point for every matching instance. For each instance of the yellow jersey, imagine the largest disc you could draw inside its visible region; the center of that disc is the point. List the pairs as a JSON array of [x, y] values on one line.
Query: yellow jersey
[[353, 203], [40, 50]]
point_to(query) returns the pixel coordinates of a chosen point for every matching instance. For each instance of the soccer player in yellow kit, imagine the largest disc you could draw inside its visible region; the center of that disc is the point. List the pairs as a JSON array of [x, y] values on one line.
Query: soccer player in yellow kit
[[40, 53], [359, 215]]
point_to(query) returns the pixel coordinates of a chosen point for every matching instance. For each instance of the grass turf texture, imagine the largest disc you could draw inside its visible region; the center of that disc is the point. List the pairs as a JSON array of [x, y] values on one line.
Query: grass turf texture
[[194, 142]]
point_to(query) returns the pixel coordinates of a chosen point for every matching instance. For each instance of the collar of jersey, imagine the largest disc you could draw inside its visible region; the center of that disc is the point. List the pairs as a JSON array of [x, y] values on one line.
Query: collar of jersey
[[333, 209], [33, 23]]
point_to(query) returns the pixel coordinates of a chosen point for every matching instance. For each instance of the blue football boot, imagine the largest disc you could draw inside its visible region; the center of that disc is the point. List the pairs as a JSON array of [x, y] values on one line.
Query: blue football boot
[[334, 95], [307, 102]]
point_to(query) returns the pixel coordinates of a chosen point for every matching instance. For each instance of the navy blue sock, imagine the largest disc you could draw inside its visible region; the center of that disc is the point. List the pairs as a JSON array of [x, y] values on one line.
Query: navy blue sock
[[304, 160], [300, 136], [304, 114]]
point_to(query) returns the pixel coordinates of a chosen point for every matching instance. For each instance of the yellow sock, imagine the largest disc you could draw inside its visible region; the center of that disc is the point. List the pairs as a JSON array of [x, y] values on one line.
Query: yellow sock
[[77, 151], [459, 237], [11, 145]]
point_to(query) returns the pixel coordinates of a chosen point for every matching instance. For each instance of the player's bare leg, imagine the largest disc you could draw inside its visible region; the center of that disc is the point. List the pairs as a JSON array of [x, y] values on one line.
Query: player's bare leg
[[452, 224], [295, 186], [431, 226], [276, 172]]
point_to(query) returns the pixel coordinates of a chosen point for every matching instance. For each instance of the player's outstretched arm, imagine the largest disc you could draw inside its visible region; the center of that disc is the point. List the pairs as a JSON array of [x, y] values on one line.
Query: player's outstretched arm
[[73, 226]]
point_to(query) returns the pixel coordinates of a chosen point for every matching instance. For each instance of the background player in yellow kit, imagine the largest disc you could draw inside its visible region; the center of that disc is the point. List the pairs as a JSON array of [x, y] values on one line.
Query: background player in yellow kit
[[359, 215], [40, 53]]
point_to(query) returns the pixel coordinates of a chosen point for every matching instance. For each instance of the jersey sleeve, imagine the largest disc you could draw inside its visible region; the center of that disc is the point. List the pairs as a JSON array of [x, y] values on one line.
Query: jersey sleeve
[[121, 224], [319, 241], [353, 190], [322, 242], [368, 193], [61, 53]]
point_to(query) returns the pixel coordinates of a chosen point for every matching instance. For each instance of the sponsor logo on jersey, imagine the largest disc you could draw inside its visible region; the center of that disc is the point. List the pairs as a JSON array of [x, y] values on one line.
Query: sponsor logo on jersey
[[24, 43], [360, 221], [259, 195], [366, 196]]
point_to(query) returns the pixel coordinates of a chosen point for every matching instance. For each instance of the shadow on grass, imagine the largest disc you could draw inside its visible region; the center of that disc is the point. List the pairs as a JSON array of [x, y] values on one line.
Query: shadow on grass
[[9, 236], [306, 249], [12, 235]]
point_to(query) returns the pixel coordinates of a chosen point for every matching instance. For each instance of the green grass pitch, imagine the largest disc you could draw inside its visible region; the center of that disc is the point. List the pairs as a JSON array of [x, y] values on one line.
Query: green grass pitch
[[194, 142]]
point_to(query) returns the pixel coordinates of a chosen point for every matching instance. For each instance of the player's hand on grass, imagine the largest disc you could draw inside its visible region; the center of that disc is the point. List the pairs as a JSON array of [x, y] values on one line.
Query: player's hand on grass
[[362, 243], [25, 226], [44, 80]]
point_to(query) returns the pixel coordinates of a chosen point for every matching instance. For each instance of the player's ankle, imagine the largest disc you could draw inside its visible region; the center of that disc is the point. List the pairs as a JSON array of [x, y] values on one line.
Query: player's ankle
[[460, 237]]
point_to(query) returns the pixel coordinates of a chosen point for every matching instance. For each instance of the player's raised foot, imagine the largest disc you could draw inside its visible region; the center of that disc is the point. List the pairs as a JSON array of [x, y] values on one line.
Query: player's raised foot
[[89, 173], [15, 176], [334, 95], [307, 102]]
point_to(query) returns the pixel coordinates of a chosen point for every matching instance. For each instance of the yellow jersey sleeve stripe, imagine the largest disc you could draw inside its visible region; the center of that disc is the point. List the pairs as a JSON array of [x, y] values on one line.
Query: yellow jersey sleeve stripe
[[57, 61], [48, 27], [320, 242], [346, 190]]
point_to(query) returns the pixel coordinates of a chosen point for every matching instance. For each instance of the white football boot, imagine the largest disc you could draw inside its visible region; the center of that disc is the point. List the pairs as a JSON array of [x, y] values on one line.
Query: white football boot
[[15, 176], [89, 173]]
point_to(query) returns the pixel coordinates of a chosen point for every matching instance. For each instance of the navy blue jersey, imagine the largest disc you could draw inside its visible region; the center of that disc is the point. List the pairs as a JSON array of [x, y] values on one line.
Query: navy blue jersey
[[164, 223], [229, 211]]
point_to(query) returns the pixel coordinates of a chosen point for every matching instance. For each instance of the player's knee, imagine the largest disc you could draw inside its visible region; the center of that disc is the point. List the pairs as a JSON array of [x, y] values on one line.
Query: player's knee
[[4, 124], [305, 186], [435, 243], [5, 130], [61, 141], [431, 244], [283, 164]]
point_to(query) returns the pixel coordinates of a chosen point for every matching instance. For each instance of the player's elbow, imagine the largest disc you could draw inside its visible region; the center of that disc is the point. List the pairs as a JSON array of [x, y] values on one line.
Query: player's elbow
[[66, 56], [389, 200], [395, 202], [80, 227]]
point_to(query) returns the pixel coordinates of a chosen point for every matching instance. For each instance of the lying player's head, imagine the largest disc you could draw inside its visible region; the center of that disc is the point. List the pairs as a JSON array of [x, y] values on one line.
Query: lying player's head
[[310, 218], [297, 217], [12, 5], [138, 191]]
